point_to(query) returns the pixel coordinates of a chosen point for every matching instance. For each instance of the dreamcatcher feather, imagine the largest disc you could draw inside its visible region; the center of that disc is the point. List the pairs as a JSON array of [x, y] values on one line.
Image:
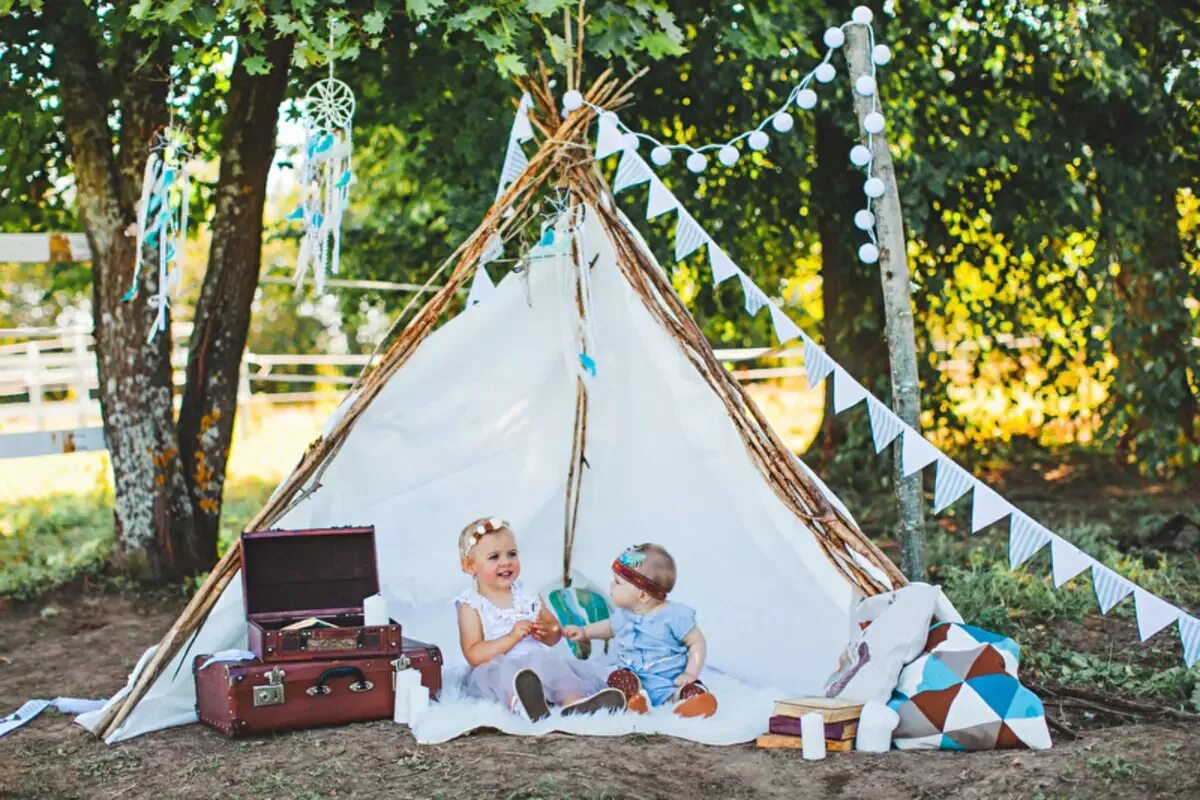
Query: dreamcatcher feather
[[162, 218], [325, 177]]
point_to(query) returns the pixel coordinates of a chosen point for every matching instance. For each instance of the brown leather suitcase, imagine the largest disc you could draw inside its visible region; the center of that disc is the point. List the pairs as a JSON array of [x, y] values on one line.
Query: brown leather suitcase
[[325, 573], [248, 697]]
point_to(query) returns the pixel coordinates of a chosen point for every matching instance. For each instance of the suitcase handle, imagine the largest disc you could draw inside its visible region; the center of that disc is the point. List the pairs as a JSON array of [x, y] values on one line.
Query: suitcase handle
[[360, 685]]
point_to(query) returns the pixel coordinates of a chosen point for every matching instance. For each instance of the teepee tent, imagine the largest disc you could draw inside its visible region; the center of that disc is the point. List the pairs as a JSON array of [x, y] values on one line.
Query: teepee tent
[[581, 402]]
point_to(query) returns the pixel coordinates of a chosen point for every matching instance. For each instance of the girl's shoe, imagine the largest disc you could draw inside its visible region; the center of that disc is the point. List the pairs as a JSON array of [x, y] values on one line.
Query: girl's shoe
[[531, 697], [630, 685], [604, 700], [695, 701]]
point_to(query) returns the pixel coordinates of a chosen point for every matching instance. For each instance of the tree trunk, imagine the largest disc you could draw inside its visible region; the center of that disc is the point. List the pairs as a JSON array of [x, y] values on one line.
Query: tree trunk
[[852, 314], [222, 318], [152, 514]]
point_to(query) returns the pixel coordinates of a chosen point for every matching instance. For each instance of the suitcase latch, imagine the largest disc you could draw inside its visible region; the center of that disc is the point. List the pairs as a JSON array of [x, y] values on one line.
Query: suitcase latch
[[271, 693]]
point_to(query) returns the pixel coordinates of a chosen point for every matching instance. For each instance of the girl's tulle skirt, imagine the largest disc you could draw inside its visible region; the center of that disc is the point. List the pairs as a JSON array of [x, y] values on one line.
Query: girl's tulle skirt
[[564, 677]]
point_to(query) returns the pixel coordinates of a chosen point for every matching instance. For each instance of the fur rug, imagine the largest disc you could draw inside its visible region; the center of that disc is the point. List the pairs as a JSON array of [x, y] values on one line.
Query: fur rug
[[742, 714]]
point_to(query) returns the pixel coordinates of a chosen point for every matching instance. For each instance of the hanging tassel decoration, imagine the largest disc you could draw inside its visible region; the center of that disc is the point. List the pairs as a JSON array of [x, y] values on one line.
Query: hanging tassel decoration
[[162, 218]]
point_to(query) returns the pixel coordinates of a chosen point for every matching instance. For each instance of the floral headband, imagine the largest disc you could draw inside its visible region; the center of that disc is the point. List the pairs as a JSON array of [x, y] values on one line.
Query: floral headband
[[626, 566], [482, 528]]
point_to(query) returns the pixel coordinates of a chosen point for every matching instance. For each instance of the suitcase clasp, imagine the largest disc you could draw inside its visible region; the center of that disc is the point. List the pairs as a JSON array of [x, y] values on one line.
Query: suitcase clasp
[[270, 693]]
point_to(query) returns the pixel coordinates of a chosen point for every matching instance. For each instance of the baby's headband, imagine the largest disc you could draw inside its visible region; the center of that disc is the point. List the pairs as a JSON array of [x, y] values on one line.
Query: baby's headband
[[481, 529], [626, 566]]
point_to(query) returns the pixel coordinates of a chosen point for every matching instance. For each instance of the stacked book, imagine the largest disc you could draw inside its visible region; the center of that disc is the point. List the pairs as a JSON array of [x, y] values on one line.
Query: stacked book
[[840, 716]]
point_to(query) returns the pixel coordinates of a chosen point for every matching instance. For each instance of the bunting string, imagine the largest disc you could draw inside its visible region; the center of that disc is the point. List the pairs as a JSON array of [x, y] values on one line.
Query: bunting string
[[952, 482]]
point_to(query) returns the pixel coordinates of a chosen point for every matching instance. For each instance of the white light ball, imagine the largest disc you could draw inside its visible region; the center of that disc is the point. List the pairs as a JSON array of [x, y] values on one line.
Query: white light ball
[[864, 220], [825, 72], [806, 99], [860, 155], [873, 188], [881, 55], [865, 85], [728, 155], [868, 253], [573, 100], [631, 141], [782, 122], [834, 37], [660, 155], [873, 122], [862, 15], [758, 140], [696, 162]]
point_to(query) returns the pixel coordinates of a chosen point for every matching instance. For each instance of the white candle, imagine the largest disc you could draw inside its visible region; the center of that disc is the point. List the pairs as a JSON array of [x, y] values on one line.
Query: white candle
[[406, 681], [875, 728], [375, 610], [812, 729], [418, 701]]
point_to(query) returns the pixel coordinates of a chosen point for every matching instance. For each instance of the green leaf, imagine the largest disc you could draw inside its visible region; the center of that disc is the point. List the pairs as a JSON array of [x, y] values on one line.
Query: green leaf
[[659, 45], [257, 65], [544, 8], [423, 9], [373, 22], [510, 64], [469, 18]]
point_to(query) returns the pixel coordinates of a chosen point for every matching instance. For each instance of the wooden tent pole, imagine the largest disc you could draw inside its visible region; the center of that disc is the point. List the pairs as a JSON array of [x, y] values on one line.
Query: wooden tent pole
[[897, 304]]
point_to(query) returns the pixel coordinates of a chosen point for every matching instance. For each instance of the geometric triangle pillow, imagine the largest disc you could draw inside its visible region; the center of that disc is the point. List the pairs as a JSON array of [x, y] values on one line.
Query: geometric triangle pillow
[[963, 694]]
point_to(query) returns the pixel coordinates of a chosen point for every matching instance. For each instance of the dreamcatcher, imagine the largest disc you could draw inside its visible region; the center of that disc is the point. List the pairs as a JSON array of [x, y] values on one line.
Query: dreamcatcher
[[162, 216], [325, 176]]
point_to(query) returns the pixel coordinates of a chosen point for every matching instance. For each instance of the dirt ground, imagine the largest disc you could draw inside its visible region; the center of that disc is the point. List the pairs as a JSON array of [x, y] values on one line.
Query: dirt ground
[[87, 644]]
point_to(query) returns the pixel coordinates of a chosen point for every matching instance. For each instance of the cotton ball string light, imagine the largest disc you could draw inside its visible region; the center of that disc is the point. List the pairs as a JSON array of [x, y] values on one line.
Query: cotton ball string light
[[860, 155], [868, 253], [864, 220], [873, 188], [631, 141], [806, 99], [862, 15], [873, 122], [881, 55], [728, 155], [573, 100], [696, 162], [660, 155], [865, 85], [825, 72], [782, 122], [834, 37], [758, 140]]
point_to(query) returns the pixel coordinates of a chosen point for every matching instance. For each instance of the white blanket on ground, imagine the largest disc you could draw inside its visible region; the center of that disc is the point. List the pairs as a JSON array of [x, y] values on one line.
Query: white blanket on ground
[[742, 713]]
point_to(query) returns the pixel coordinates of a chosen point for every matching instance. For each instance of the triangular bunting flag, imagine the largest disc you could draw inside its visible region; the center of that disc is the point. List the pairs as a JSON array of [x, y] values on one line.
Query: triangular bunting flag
[[481, 287], [987, 507], [661, 200], [755, 297], [1025, 537], [609, 140], [816, 363], [492, 250], [785, 329], [917, 453], [1153, 613], [1189, 635], [885, 425], [522, 130], [1110, 587], [846, 390], [1066, 560], [722, 265], [514, 162], [952, 482], [630, 172], [689, 236]]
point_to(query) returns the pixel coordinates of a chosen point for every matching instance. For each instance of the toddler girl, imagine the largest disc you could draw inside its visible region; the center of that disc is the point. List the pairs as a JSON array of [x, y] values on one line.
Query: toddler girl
[[506, 634], [659, 647]]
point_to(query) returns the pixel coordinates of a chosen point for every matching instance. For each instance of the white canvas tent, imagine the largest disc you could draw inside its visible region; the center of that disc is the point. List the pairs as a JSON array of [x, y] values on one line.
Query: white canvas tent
[[482, 417]]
